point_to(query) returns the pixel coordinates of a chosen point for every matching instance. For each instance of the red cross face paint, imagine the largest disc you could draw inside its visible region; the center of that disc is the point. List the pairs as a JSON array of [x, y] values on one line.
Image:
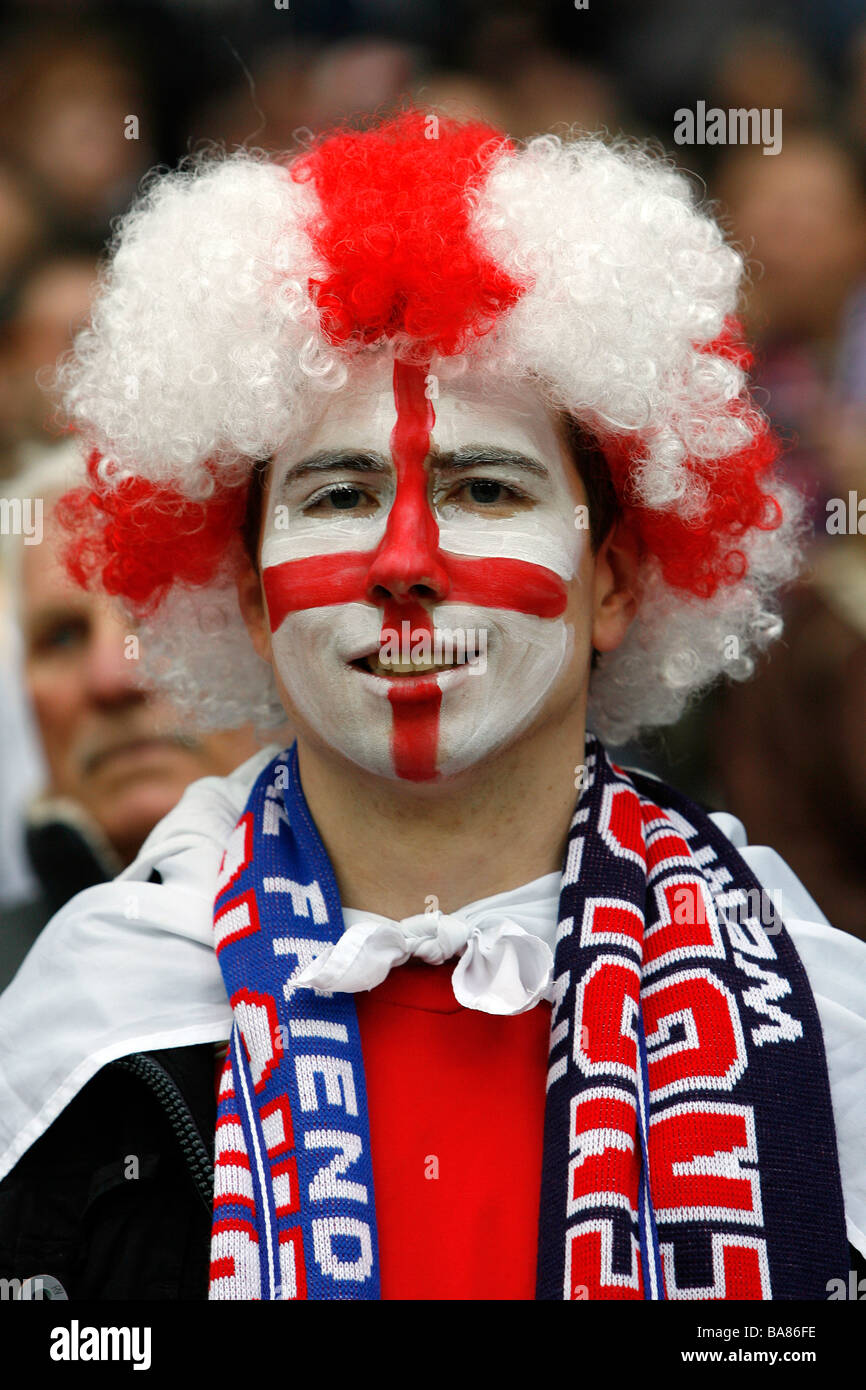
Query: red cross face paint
[[416, 565]]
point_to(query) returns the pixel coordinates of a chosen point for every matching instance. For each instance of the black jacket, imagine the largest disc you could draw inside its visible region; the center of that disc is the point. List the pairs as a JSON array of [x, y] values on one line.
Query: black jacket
[[115, 1199]]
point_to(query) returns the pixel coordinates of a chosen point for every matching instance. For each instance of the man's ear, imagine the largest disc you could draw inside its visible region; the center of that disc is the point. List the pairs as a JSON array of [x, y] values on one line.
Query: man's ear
[[614, 587], [253, 609]]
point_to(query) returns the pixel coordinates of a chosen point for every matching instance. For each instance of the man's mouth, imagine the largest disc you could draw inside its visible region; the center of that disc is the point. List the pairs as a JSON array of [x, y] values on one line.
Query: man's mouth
[[141, 746], [401, 669]]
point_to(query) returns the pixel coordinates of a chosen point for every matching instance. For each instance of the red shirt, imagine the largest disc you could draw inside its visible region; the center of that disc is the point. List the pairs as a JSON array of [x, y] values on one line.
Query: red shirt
[[456, 1106]]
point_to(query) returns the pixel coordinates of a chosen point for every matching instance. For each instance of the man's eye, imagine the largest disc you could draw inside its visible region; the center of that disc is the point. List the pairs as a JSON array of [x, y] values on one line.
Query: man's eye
[[61, 636], [487, 493], [484, 490], [343, 497]]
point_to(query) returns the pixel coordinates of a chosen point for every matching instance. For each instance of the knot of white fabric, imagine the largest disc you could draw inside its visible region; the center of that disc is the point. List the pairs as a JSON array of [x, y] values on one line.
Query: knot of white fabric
[[502, 968]]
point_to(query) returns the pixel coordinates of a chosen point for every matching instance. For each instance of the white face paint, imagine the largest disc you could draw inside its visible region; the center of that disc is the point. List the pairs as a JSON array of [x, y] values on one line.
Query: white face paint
[[498, 487]]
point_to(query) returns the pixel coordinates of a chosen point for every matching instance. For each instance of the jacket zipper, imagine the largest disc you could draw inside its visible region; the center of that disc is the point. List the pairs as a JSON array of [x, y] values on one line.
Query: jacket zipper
[[179, 1117]]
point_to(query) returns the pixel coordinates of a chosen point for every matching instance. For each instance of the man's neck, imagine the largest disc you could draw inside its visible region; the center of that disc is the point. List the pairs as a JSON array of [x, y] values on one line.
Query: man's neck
[[395, 846]]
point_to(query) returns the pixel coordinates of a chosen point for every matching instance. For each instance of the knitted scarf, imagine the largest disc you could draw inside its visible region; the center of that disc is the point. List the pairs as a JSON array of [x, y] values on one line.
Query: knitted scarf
[[689, 1148]]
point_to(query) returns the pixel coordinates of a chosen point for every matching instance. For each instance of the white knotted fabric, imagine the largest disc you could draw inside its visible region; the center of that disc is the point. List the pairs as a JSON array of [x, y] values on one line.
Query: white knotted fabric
[[504, 967]]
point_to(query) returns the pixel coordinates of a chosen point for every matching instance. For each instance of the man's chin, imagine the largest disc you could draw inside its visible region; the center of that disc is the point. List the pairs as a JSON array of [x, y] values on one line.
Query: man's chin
[[126, 807], [458, 760]]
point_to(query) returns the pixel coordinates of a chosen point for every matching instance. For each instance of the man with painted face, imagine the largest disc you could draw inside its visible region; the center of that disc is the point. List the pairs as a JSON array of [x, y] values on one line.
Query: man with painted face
[[441, 448]]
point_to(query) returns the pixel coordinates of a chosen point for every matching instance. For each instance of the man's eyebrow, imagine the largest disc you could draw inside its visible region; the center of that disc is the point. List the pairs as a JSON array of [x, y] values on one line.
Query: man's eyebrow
[[329, 460], [484, 455], [39, 619]]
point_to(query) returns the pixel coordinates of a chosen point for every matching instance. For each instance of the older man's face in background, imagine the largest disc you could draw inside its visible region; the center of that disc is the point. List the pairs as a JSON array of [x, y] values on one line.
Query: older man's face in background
[[109, 745]]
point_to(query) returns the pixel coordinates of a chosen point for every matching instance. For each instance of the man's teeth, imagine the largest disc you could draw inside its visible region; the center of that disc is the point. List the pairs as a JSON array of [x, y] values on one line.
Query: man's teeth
[[408, 668]]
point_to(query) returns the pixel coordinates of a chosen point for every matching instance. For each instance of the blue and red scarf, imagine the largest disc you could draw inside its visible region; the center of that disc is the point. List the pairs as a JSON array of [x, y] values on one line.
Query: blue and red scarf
[[689, 1147]]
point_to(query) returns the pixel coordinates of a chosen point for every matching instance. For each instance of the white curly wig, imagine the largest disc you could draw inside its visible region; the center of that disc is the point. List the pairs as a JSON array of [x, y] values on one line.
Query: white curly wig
[[242, 288]]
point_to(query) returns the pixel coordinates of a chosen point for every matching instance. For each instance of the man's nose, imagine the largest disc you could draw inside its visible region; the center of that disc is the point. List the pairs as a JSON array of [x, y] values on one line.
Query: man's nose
[[407, 564], [112, 663]]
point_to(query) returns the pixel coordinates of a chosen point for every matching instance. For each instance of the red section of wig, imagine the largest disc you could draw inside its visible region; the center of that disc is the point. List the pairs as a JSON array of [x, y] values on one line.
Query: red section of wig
[[697, 556], [137, 540], [394, 232]]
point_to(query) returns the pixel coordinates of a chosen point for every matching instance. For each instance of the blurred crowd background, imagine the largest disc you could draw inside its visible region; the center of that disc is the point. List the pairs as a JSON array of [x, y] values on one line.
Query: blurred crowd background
[[784, 752]]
